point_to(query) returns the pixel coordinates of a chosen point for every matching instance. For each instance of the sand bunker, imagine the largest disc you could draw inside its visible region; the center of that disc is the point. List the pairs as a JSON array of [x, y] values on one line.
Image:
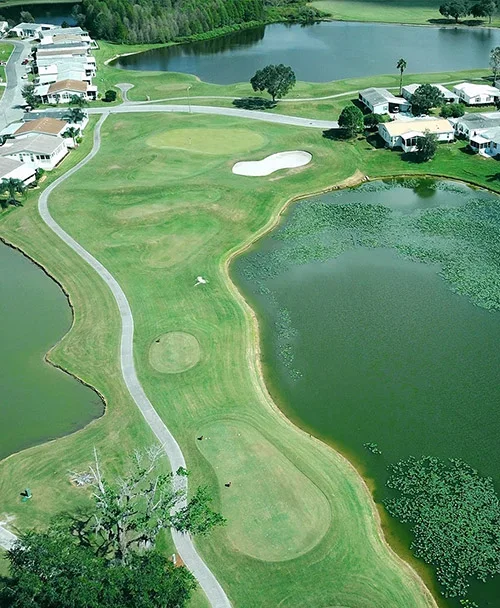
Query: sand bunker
[[275, 162]]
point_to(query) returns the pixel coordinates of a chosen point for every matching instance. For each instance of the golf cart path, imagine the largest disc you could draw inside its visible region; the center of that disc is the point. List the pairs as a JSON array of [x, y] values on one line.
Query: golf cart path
[[184, 545]]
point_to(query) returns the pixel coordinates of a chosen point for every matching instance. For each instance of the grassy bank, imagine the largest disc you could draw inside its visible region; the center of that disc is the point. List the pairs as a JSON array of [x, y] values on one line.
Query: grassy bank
[[6, 49], [302, 529], [425, 12]]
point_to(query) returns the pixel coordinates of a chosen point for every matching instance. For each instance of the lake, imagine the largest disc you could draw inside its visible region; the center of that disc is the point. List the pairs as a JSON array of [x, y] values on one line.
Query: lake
[[54, 13], [324, 51], [37, 401], [368, 346]]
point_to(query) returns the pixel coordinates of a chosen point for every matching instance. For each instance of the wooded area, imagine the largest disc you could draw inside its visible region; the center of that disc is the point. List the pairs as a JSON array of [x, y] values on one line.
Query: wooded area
[[141, 21]]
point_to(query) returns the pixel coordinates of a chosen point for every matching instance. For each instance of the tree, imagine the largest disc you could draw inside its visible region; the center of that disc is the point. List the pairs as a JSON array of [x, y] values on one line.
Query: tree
[[73, 133], [484, 8], [29, 96], [74, 115], [495, 63], [452, 110], [109, 95], [455, 9], [425, 98], [77, 101], [52, 570], [401, 66], [277, 80], [26, 17], [351, 120], [129, 516], [426, 146], [13, 187]]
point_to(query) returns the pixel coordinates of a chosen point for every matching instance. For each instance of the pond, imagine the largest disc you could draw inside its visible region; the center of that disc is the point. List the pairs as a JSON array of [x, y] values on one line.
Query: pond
[[361, 344], [54, 13], [37, 401], [324, 51]]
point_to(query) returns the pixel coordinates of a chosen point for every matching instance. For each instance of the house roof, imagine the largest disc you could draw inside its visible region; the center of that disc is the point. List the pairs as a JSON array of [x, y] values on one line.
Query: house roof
[[75, 31], [54, 52], [401, 127], [50, 126], [31, 26], [376, 96], [480, 121], [68, 85], [472, 90], [36, 144], [8, 165]]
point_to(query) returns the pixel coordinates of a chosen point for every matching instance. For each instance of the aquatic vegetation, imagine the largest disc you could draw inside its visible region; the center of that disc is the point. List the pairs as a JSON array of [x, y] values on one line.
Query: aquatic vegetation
[[455, 518], [463, 240], [372, 447]]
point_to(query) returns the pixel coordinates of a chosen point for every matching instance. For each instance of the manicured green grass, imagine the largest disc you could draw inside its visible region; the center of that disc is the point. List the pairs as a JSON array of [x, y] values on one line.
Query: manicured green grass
[[391, 11], [302, 528], [6, 49]]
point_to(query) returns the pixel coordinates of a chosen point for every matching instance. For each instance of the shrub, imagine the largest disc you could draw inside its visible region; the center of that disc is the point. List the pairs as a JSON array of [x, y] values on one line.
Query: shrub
[[452, 110], [109, 96]]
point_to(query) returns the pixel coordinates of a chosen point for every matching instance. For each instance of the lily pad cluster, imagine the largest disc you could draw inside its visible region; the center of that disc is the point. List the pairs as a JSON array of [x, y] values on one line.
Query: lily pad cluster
[[455, 519]]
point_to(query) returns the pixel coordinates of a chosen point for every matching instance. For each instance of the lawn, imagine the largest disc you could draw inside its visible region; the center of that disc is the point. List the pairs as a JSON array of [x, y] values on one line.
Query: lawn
[[5, 51], [423, 12], [302, 529]]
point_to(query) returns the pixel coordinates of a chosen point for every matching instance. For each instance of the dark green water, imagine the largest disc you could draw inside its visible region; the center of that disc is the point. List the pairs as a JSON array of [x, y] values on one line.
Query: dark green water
[[324, 51], [37, 401], [376, 348]]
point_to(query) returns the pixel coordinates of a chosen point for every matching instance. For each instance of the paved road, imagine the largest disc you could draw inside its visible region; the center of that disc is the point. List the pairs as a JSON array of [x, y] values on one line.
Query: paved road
[[12, 97], [126, 108], [7, 538], [183, 542]]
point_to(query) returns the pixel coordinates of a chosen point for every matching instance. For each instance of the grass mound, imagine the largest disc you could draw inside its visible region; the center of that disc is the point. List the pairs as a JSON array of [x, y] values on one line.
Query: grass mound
[[174, 352]]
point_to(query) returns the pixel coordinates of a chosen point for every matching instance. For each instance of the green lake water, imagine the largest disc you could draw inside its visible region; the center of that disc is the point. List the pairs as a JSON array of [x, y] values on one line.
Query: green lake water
[[37, 401], [369, 346]]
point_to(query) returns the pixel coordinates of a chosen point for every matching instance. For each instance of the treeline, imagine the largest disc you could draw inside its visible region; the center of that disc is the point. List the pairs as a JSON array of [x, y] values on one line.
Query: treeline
[[140, 21]]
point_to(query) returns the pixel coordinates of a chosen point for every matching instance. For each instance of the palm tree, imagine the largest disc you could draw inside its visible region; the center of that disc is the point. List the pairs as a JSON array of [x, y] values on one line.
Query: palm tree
[[78, 101], [75, 115], [12, 186], [72, 132], [401, 66]]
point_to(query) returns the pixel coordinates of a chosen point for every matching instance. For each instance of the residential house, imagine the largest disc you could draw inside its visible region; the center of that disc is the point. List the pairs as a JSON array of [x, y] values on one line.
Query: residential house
[[380, 101], [487, 143], [63, 90], [448, 96], [10, 168], [31, 30], [47, 126], [58, 114], [36, 151], [473, 124], [476, 94], [405, 133], [76, 31], [4, 26]]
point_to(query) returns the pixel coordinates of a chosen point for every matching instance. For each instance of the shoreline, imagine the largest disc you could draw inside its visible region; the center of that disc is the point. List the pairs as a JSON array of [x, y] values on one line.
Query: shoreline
[[47, 359]]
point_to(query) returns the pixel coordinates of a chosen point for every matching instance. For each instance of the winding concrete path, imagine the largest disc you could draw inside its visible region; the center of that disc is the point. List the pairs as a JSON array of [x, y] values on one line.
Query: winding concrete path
[[183, 542]]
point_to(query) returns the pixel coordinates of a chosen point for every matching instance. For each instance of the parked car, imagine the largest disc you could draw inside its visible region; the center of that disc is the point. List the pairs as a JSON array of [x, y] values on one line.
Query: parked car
[[24, 76], [25, 62]]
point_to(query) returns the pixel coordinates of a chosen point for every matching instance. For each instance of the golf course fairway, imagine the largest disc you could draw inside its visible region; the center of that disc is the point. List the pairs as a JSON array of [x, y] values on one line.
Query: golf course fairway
[[302, 527]]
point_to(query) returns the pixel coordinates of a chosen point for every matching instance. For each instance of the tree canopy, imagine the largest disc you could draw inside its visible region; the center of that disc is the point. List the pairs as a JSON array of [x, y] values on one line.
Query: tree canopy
[[277, 80], [139, 21], [455, 9], [427, 146], [495, 63], [351, 120], [425, 98], [455, 518]]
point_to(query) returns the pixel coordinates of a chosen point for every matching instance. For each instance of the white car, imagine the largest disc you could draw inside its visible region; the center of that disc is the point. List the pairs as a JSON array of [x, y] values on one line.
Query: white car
[[24, 76]]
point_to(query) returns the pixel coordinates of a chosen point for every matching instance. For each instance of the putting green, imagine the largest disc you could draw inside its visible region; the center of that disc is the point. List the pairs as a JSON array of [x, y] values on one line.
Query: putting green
[[174, 352], [208, 141], [274, 512]]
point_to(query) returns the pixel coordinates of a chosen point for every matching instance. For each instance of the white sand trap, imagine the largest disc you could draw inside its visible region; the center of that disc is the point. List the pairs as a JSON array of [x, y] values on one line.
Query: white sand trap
[[275, 162]]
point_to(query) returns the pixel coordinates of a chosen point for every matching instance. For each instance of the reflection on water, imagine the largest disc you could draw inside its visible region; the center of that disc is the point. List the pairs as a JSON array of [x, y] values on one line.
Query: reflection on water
[[324, 51]]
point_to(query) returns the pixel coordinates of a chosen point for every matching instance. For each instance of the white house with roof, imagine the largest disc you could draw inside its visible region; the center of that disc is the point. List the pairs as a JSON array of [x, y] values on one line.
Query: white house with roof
[[4, 26], [37, 151], [448, 96], [46, 126], [476, 94], [486, 143], [405, 133], [62, 91], [475, 123], [31, 30], [381, 101], [10, 168]]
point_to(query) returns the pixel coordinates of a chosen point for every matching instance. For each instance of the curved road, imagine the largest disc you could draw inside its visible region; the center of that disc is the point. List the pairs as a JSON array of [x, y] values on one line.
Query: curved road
[[214, 592], [12, 100]]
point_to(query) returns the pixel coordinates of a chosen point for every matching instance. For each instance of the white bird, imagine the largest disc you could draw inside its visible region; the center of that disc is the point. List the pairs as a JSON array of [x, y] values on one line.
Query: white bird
[[200, 281]]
